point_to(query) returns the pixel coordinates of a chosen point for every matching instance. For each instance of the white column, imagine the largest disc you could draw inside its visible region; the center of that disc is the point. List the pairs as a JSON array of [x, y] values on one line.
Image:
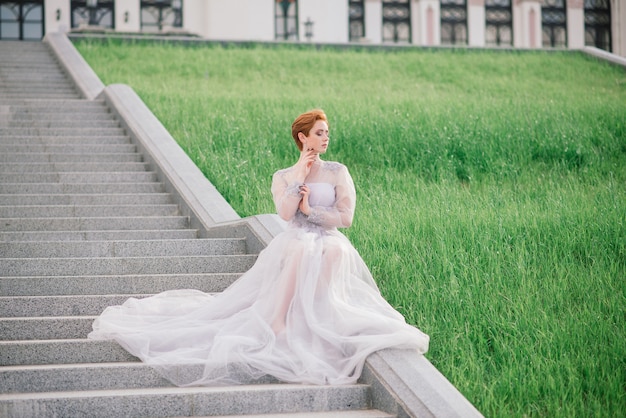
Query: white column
[[374, 21], [575, 24], [618, 17], [127, 16], [195, 17], [54, 9], [476, 23], [527, 24], [426, 22]]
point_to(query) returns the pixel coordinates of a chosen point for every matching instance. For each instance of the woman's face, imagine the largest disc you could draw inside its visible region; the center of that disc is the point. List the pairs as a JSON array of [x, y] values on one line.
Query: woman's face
[[317, 139]]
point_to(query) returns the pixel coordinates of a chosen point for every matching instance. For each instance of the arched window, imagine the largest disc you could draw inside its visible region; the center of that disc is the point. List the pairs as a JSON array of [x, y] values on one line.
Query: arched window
[[286, 20], [554, 23], [499, 23], [397, 21], [93, 13], [453, 22], [21, 20], [357, 19], [598, 24], [157, 14]]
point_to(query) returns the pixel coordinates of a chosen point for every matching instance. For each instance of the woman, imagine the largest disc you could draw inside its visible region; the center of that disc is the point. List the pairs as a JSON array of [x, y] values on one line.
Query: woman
[[308, 311]]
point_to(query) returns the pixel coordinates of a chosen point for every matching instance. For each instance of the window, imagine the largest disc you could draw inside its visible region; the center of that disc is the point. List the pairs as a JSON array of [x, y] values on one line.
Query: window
[[499, 23], [453, 22], [157, 14], [100, 15], [357, 20], [598, 24], [397, 21], [286, 19], [554, 23], [21, 20]]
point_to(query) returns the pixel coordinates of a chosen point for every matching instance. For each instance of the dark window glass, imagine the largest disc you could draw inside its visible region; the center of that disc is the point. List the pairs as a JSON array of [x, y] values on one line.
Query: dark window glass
[[598, 24], [498, 23], [286, 20], [357, 19], [397, 21], [453, 22], [102, 15]]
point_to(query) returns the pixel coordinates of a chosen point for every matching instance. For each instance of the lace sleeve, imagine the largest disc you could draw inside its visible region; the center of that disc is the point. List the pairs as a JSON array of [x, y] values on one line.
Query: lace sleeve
[[340, 215], [286, 194]]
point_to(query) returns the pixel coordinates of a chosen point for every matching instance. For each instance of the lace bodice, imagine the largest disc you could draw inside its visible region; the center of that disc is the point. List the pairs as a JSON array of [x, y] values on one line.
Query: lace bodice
[[332, 198]]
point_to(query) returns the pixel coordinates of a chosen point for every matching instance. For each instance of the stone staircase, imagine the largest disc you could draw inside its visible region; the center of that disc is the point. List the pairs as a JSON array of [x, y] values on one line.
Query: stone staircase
[[84, 224]]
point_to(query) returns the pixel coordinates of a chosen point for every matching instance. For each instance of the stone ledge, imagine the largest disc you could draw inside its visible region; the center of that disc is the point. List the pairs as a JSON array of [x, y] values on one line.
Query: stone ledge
[[198, 198], [405, 383], [605, 56], [74, 65]]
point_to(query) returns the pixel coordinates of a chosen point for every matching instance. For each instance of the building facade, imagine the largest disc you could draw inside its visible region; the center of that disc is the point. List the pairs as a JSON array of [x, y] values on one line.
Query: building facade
[[474, 23]]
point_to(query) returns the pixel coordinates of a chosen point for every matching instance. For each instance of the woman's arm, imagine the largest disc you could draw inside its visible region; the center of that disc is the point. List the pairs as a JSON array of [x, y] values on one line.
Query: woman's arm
[[286, 193]]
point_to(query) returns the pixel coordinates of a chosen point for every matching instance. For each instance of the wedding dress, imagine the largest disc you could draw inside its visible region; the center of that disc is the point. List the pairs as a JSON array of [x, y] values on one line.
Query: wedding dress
[[308, 311]]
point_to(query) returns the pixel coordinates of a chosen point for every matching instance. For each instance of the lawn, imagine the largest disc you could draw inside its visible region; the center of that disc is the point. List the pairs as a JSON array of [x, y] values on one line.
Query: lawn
[[491, 193]]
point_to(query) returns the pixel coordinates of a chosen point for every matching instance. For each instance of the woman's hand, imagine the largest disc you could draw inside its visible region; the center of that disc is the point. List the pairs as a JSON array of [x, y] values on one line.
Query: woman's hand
[[305, 162], [304, 202]]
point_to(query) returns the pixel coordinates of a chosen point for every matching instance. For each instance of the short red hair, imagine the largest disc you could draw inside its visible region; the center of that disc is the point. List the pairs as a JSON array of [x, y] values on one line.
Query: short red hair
[[304, 123]]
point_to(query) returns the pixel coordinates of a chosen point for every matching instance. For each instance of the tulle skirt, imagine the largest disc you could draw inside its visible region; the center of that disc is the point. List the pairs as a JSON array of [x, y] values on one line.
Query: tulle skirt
[[308, 311]]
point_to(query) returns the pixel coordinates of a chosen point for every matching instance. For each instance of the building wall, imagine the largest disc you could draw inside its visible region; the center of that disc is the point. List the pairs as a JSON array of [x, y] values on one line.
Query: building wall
[[254, 20], [618, 8]]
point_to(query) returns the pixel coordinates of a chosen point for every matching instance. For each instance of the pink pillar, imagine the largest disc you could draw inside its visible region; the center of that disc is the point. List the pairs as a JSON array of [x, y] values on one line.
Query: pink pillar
[[430, 26], [533, 29]]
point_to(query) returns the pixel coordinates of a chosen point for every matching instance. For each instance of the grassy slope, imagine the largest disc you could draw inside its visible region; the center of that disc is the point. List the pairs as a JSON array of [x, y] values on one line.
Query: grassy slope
[[492, 206]]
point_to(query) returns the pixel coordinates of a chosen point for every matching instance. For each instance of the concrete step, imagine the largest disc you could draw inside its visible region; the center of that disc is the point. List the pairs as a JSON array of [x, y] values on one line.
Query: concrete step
[[70, 149], [17, 85], [39, 95], [25, 88], [89, 376], [69, 249], [55, 306], [69, 351], [77, 157], [98, 235], [17, 82], [80, 188], [77, 266], [29, 64], [36, 58], [24, 117], [361, 413], [79, 377], [64, 140], [79, 177], [70, 211], [52, 105], [20, 49], [26, 60], [72, 167], [21, 77], [84, 199], [59, 123], [94, 224], [178, 402], [45, 328], [114, 284], [77, 130]]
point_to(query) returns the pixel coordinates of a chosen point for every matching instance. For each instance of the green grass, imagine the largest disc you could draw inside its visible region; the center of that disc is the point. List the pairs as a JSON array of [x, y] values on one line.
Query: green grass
[[491, 187]]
